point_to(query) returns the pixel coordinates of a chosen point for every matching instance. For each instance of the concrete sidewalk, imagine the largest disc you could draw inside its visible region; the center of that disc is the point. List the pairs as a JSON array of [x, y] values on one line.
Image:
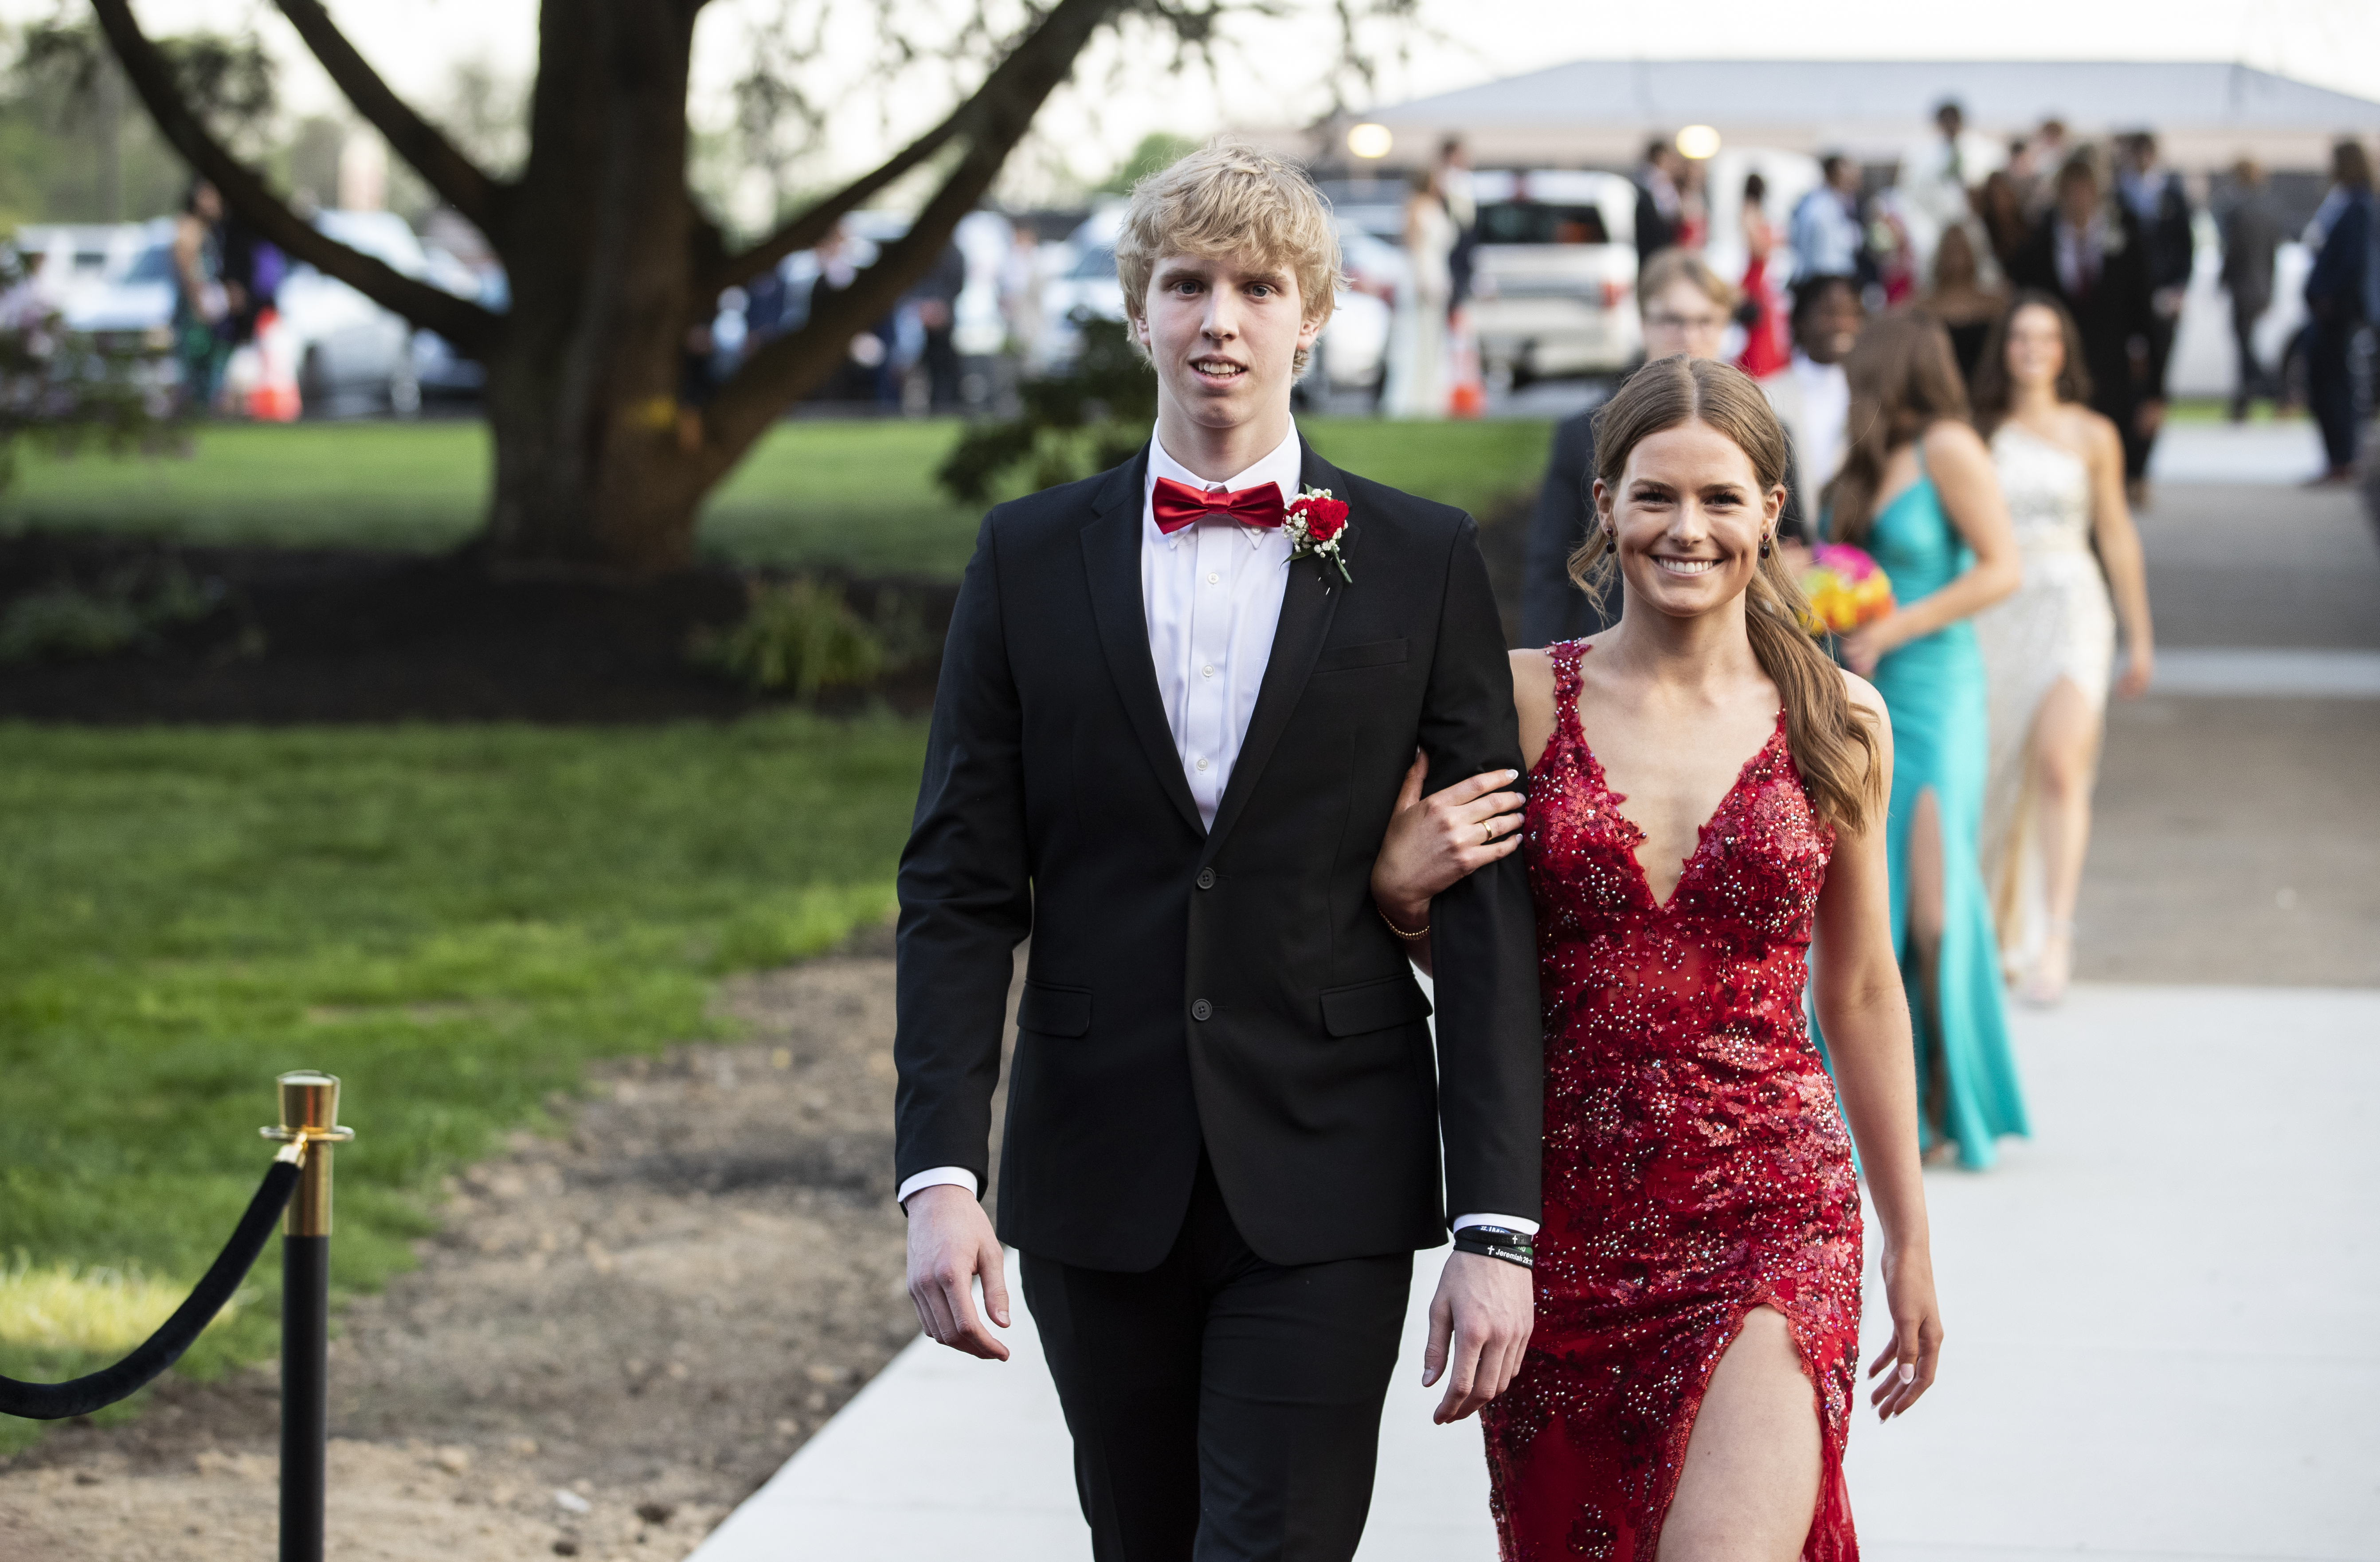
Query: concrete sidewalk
[[2160, 1315]]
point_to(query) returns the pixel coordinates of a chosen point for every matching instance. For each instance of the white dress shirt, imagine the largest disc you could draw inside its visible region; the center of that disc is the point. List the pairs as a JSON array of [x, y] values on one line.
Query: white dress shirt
[[1211, 593], [1825, 414]]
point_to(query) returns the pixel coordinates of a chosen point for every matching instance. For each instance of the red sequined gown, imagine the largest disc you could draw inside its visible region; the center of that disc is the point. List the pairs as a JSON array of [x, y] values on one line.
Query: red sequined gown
[[1695, 1163]]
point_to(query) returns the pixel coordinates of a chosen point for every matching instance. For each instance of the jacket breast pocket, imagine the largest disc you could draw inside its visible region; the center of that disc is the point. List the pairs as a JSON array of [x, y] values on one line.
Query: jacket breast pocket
[[1054, 1011], [1373, 1005], [1372, 653]]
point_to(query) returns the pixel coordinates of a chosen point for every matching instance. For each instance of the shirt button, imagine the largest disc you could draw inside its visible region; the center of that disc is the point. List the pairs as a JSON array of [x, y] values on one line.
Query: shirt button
[[1207, 670], [1202, 1009], [1202, 764], [1213, 579], [1206, 878]]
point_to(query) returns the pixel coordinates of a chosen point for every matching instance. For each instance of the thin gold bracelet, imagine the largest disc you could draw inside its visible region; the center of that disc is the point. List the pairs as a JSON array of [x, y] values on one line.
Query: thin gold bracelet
[[1400, 932]]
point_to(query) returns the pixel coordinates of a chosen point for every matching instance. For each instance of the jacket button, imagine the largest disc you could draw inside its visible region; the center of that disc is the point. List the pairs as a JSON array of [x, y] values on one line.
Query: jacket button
[[1206, 878], [1202, 1009]]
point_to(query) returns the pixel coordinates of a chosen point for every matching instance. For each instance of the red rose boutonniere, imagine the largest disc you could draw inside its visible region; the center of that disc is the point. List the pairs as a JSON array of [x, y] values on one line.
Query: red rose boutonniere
[[1317, 523]]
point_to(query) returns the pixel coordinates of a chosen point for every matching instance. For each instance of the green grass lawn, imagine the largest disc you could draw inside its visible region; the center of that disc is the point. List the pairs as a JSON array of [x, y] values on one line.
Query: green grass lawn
[[857, 495], [454, 920]]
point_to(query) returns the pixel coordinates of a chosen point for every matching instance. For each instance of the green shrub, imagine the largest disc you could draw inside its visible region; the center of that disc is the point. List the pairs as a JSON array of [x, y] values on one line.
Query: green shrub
[[798, 635], [63, 621]]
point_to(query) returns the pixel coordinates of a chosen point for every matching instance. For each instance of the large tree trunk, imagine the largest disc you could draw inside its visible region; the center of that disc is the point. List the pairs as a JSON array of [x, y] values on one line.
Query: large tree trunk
[[582, 388]]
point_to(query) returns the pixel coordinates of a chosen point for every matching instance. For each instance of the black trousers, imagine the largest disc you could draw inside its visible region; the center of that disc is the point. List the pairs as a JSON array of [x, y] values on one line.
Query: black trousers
[[1223, 1409], [2330, 387]]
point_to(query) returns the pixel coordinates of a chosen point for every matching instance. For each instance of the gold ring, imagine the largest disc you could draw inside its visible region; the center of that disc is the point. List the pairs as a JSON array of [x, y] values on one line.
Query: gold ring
[[1489, 826]]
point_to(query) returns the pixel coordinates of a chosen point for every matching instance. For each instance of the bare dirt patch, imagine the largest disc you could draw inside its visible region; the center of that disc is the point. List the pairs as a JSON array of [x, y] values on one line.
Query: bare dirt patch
[[620, 1332]]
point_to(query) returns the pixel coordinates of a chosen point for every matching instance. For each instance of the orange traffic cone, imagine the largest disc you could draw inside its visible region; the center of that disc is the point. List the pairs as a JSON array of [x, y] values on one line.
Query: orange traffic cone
[[273, 397], [1469, 397]]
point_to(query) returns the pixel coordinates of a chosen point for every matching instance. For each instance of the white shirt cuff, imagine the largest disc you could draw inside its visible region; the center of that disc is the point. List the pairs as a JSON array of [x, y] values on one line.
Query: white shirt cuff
[[941, 1176], [1510, 1222]]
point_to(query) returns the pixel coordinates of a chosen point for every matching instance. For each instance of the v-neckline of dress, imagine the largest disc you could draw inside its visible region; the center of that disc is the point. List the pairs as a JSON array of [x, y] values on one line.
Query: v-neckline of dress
[[1601, 781]]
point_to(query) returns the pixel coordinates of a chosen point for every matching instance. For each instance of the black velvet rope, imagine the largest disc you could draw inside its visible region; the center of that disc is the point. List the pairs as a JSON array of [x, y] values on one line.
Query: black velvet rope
[[56, 1401]]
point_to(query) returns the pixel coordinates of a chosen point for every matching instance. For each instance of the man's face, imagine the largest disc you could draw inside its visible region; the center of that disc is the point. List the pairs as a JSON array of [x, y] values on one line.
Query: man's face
[[1683, 319], [1952, 122], [1223, 334], [2078, 201], [1831, 326]]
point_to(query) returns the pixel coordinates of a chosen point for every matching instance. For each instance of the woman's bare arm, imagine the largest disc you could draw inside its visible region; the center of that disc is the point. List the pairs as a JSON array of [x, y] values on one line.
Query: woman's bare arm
[[2119, 556], [1961, 468], [1864, 1015]]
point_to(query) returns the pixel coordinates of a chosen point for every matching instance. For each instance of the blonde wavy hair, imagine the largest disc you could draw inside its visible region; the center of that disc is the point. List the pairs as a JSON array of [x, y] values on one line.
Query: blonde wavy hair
[[1832, 741], [1230, 200]]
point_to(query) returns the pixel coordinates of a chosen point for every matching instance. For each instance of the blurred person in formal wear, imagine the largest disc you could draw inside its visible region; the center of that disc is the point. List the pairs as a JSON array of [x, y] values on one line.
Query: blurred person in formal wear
[[1811, 394], [1891, 246], [2088, 254], [1767, 338], [1824, 231], [1939, 176], [2252, 242], [1999, 208], [1417, 358], [2342, 297], [1959, 299], [2049, 649], [1686, 309], [2155, 196], [1917, 490], [1659, 203], [2035, 165], [935, 298], [1455, 188], [203, 299]]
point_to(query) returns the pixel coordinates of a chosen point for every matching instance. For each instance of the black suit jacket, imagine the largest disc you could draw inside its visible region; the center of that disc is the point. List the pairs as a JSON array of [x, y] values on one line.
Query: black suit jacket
[[1232, 987], [2113, 316]]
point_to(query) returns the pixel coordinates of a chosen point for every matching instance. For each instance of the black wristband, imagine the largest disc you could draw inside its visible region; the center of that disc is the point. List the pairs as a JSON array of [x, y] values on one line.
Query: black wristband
[[1498, 1242]]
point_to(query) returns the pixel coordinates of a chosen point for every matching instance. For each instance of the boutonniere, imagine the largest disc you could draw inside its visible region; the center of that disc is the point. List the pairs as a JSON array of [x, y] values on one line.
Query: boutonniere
[[1317, 525]]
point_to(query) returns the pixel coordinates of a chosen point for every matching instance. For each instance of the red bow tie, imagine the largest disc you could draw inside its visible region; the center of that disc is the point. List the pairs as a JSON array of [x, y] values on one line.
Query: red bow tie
[[1178, 505]]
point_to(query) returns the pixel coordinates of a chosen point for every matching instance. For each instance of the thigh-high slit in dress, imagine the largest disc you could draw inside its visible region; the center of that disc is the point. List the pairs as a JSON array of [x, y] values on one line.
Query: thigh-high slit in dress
[[1697, 1166]]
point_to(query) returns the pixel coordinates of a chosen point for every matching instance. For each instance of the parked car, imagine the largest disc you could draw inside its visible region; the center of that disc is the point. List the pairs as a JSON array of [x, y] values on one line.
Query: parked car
[[1352, 354], [354, 356], [1554, 278], [126, 302]]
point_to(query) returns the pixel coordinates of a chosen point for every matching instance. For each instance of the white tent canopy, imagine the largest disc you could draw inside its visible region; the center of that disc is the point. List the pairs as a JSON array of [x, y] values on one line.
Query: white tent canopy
[[1601, 111]]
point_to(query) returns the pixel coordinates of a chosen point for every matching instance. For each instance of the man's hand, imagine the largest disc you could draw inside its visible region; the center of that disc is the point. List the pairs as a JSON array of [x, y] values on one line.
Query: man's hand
[[1484, 1310], [950, 1242]]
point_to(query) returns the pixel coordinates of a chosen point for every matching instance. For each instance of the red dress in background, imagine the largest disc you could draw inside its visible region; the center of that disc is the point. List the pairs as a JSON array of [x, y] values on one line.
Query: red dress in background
[[1767, 341], [1695, 1163]]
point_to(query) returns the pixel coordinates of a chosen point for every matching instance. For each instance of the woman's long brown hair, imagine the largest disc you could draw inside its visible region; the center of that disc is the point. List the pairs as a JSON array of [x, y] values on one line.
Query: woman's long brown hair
[[1904, 379], [1992, 391], [1832, 741]]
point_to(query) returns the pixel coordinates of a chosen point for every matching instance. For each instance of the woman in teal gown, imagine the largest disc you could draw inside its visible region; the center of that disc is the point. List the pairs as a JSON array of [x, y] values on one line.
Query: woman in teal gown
[[1918, 491]]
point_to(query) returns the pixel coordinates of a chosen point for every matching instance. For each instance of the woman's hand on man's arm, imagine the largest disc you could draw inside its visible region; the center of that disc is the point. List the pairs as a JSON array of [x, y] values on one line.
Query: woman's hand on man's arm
[[1438, 840]]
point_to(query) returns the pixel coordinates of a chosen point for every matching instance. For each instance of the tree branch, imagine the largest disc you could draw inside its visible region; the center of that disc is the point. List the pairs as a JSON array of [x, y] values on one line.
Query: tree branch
[[994, 120], [1019, 79], [458, 181], [470, 328]]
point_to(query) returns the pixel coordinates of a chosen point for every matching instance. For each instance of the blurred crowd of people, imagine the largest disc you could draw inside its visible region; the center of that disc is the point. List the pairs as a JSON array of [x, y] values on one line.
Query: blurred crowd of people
[[1964, 221]]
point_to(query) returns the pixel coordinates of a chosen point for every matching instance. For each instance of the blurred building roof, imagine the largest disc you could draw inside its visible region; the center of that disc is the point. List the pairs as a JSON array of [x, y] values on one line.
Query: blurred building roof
[[1602, 110]]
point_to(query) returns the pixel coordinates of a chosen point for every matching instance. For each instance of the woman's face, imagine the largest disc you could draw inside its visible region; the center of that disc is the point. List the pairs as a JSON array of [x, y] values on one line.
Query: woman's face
[[1688, 516], [2036, 347], [1683, 318]]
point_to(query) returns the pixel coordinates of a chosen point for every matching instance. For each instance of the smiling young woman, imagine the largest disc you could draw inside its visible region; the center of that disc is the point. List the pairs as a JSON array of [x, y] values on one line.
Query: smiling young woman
[[1675, 1405]]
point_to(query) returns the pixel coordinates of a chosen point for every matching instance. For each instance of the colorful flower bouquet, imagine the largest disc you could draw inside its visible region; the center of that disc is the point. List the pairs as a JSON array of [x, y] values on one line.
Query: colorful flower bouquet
[[1846, 589]]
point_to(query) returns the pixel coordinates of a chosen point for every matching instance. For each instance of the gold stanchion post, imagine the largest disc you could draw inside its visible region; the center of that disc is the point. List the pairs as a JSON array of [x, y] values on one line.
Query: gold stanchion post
[[310, 1126]]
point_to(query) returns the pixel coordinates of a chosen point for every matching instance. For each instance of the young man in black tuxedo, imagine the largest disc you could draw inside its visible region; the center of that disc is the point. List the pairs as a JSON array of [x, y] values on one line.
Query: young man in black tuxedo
[[1166, 746]]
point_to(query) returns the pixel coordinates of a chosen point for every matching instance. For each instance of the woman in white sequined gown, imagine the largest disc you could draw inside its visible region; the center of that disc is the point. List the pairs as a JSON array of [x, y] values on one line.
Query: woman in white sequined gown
[[2050, 650]]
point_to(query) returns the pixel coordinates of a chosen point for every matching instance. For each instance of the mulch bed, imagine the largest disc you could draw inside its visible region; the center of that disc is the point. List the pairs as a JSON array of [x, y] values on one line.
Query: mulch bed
[[336, 635]]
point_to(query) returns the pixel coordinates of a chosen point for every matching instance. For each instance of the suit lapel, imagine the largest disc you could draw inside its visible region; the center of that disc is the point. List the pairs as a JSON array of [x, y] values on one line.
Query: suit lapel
[[1306, 608], [1111, 553]]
